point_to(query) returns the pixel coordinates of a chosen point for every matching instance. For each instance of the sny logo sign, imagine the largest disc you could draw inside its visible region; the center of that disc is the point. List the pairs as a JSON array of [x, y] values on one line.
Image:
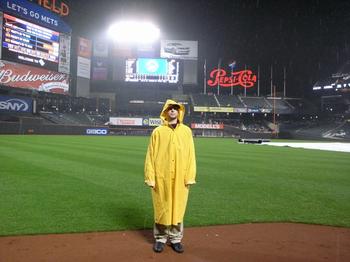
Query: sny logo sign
[[14, 104]]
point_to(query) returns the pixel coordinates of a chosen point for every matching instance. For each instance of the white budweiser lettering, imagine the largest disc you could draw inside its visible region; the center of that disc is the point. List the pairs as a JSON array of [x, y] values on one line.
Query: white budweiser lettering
[[7, 76]]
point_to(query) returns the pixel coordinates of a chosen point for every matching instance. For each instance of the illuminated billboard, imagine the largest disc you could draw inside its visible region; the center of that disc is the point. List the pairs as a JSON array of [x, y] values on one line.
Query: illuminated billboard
[[27, 43], [179, 49], [222, 78], [152, 70], [29, 77]]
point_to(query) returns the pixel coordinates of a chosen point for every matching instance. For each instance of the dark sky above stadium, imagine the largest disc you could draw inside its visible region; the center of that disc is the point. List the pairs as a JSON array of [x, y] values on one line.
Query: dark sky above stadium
[[308, 37]]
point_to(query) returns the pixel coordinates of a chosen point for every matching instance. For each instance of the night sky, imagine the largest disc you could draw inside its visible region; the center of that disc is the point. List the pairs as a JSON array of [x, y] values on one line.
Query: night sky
[[308, 37]]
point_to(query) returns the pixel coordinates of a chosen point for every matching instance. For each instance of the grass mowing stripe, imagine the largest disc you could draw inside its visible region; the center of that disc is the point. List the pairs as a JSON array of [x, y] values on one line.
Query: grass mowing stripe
[[97, 160], [81, 183], [279, 178], [52, 191], [109, 176]]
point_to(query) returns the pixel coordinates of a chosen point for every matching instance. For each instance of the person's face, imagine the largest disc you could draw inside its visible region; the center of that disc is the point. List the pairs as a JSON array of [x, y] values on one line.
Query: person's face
[[173, 112]]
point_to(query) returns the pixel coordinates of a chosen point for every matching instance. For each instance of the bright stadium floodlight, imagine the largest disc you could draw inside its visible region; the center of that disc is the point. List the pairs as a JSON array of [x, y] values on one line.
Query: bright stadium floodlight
[[134, 32]]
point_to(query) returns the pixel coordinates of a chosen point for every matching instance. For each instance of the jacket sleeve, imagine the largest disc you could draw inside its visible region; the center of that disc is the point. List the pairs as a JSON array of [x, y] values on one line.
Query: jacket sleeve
[[149, 174], [190, 177]]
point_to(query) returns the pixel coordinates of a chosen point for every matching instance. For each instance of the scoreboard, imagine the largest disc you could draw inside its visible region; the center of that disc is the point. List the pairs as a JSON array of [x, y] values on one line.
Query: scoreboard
[[28, 43], [150, 70]]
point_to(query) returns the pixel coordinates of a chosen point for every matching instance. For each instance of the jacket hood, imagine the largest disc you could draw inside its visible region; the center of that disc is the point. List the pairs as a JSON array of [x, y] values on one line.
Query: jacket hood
[[164, 115]]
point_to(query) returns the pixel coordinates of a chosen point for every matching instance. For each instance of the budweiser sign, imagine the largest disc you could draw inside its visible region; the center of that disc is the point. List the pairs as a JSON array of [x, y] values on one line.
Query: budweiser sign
[[244, 78], [21, 76]]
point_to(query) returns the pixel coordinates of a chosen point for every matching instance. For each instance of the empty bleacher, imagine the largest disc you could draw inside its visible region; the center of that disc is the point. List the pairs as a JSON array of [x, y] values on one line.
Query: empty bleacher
[[256, 102], [280, 105], [137, 103], [73, 118], [204, 100], [229, 101]]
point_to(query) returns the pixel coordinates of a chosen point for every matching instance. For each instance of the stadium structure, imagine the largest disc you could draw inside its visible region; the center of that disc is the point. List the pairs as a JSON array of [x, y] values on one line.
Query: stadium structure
[[53, 81]]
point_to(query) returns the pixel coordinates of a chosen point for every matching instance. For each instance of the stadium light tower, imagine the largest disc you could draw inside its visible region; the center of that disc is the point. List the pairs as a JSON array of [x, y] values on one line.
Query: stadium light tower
[[134, 32]]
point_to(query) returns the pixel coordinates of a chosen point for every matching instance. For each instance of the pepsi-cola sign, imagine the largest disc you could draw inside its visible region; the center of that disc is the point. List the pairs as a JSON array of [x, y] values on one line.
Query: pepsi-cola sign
[[244, 78], [15, 104]]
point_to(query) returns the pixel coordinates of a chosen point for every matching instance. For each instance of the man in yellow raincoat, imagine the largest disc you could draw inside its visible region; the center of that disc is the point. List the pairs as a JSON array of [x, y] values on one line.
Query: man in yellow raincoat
[[170, 168]]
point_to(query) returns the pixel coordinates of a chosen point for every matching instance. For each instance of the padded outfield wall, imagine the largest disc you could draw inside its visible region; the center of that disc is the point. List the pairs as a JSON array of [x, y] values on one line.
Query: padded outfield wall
[[36, 127]]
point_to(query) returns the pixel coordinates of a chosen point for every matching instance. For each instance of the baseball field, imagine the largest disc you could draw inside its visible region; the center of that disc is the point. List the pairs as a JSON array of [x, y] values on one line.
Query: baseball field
[[61, 184]]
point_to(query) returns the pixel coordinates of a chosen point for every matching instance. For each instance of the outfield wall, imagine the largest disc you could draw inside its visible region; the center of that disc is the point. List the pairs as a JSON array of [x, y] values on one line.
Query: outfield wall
[[38, 127], [23, 127]]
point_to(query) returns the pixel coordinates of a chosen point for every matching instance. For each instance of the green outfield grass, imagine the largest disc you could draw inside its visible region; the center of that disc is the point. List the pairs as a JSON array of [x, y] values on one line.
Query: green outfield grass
[[56, 184]]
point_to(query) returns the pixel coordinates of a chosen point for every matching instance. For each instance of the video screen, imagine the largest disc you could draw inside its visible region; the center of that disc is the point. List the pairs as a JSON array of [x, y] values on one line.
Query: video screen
[[27, 43], [152, 70]]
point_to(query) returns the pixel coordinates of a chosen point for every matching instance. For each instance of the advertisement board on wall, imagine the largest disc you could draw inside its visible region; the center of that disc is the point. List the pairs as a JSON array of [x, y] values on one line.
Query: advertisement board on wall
[[265, 110], [22, 76], [84, 47], [239, 110], [179, 49], [125, 121], [64, 58], [100, 48], [201, 109], [152, 122], [207, 126], [99, 68], [97, 131], [15, 104], [253, 110], [221, 109], [83, 67], [213, 109]]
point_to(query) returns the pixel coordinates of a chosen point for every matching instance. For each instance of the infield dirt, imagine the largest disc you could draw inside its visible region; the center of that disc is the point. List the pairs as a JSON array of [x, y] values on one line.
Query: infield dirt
[[246, 242]]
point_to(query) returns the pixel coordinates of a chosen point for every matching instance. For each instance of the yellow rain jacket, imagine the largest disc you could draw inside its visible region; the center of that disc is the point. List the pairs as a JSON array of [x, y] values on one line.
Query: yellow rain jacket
[[170, 166]]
